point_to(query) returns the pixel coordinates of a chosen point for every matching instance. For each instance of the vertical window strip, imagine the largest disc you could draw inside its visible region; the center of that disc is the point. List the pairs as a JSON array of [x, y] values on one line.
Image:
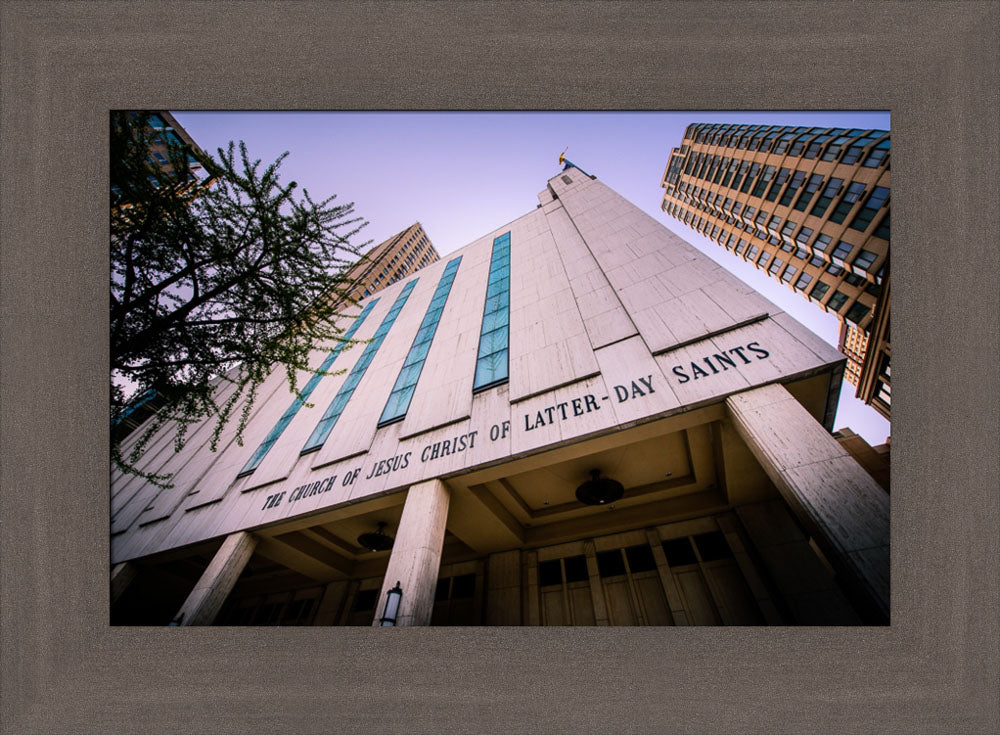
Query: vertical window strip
[[310, 386], [399, 399], [326, 424], [492, 359]]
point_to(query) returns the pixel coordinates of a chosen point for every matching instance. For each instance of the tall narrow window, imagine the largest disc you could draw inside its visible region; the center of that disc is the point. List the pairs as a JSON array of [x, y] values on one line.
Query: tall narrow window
[[854, 191], [828, 195], [815, 181], [402, 391], [286, 418], [739, 174], [762, 180], [779, 181], [730, 171], [722, 168], [754, 168], [793, 186], [491, 362], [326, 424]]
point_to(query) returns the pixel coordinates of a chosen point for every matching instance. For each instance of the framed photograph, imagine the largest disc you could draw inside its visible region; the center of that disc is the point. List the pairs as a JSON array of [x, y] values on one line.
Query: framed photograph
[[631, 508]]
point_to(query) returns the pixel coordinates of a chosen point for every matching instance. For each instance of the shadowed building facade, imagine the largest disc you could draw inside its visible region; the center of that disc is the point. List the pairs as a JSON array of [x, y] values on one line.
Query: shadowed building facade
[[810, 206], [575, 419]]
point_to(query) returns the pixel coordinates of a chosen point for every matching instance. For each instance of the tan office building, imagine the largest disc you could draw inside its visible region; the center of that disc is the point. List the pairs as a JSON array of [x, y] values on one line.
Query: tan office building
[[810, 206], [577, 418], [164, 131], [388, 262]]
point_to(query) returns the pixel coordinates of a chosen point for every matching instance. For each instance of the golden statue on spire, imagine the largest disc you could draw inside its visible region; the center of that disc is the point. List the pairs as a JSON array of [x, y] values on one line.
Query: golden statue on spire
[[566, 163]]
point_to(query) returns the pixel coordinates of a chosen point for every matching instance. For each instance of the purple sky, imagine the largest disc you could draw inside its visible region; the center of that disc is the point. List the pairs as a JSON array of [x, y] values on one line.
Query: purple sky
[[461, 174]]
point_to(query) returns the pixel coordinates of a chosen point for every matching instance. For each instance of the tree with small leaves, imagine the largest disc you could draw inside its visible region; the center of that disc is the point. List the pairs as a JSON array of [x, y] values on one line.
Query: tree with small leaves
[[215, 280]]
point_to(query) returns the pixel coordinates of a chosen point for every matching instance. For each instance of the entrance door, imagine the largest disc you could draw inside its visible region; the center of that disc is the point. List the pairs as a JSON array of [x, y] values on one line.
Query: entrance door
[[709, 581], [631, 587], [564, 592], [683, 573]]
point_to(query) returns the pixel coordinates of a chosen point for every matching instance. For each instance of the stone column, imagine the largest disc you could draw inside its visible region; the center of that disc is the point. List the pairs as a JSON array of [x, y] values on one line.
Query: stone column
[[416, 553], [121, 577], [836, 500], [211, 591]]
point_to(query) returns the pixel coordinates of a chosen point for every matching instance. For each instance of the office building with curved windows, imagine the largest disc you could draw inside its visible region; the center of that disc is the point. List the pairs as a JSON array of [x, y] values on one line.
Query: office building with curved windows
[[575, 419], [808, 205]]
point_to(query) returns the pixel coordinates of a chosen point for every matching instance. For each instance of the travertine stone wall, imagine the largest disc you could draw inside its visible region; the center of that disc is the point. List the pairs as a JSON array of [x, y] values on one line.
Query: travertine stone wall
[[602, 298], [833, 496]]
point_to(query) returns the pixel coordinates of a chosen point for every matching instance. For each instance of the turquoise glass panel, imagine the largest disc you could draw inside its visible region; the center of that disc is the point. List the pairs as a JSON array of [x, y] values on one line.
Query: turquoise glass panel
[[399, 399], [310, 386], [492, 357], [329, 420]]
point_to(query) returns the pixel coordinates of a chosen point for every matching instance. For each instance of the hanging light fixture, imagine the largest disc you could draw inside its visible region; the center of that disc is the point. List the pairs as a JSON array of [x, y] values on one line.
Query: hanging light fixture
[[599, 490], [376, 541]]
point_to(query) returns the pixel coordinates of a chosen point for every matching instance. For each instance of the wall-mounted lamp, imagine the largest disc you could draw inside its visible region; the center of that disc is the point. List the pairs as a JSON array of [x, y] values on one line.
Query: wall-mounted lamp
[[392, 600]]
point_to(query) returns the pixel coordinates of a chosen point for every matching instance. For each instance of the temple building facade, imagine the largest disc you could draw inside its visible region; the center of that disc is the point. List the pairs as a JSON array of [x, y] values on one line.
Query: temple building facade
[[576, 419], [811, 208]]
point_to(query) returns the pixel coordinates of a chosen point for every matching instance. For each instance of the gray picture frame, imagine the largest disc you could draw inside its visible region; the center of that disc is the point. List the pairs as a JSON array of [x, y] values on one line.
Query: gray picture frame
[[65, 65]]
